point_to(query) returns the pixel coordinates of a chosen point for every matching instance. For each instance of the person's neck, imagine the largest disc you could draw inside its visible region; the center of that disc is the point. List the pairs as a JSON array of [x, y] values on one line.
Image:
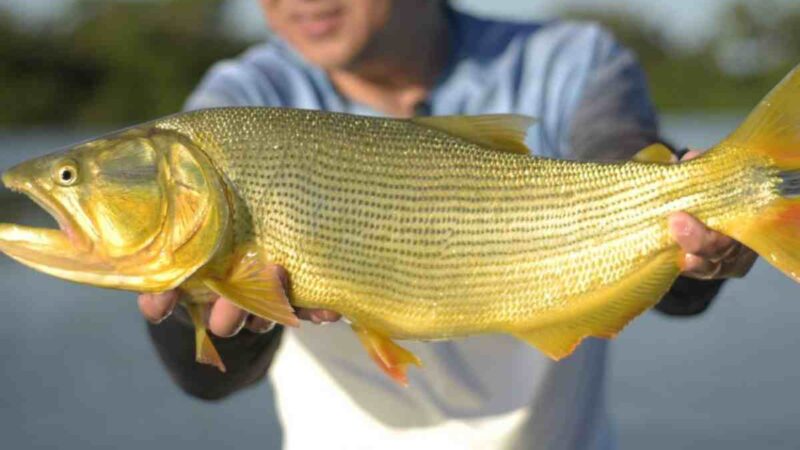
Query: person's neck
[[396, 74]]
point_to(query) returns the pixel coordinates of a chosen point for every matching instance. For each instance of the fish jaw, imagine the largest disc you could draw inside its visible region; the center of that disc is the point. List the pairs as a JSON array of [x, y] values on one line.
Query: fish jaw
[[66, 252], [53, 252], [49, 251], [102, 242], [20, 179]]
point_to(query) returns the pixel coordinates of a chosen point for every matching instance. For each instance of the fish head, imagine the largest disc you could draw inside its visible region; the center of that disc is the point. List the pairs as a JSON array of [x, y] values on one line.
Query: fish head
[[106, 196], [139, 210]]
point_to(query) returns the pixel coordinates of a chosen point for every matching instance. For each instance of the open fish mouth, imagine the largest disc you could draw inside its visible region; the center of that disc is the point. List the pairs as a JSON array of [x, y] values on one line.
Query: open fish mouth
[[54, 251]]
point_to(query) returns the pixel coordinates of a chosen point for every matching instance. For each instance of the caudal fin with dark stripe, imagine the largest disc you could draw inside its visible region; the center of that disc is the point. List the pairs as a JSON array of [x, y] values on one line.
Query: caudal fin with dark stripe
[[772, 130]]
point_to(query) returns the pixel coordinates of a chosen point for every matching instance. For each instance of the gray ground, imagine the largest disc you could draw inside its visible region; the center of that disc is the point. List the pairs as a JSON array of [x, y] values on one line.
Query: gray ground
[[77, 370]]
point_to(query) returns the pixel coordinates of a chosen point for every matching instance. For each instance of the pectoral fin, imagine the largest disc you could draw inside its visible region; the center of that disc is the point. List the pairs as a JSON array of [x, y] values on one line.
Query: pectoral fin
[[255, 286], [205, 352], [390, 357], [605, 312]]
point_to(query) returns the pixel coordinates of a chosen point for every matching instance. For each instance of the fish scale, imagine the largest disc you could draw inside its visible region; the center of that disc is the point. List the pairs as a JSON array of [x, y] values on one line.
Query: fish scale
[[430, 236]]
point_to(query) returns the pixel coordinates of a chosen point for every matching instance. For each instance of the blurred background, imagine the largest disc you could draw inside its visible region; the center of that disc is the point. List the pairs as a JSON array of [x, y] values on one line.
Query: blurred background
[[78, 371]]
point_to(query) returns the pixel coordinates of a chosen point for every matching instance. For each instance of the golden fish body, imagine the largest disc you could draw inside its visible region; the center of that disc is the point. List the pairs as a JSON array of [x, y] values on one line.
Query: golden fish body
[[423, 235], [429, 228]]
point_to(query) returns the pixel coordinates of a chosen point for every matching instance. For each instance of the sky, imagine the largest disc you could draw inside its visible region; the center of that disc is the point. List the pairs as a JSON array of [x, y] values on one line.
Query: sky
[[685, 22]]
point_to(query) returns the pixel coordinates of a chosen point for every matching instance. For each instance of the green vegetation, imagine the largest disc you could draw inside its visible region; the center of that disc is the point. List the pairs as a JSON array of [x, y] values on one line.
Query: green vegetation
[[750, 52], [122, 62], [125, 62]]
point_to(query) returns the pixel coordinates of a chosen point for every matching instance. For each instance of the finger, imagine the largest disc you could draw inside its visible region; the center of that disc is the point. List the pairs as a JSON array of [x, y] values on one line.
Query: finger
[[259, 325], [700, 268], [156, 307], [736, 265], [695, 238], [739, 264], [226, 319], [691, 154], [318, 316]]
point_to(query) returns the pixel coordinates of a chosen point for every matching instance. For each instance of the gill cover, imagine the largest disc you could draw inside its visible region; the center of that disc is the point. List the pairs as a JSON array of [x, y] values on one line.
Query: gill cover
[[146, 210]]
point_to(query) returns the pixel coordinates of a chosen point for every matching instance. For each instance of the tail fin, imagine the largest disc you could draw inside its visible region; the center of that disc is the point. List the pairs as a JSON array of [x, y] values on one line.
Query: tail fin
[[773, 131], [773, 128]]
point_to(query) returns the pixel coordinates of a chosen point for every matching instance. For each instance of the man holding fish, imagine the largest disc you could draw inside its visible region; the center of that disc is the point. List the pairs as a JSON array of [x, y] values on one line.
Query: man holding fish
[[419, 57]]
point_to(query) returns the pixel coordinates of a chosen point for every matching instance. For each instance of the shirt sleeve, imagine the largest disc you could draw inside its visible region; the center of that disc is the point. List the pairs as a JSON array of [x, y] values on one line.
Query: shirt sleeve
[[613, 120], [218, 89], [247, 357], [614, 117], [248, 81]]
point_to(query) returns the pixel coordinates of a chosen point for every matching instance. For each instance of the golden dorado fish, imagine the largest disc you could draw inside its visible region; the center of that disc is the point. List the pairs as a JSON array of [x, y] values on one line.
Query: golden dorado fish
[[426, 228]]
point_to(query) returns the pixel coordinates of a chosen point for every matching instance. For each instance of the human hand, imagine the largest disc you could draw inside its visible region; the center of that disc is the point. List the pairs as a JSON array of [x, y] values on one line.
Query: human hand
[[708, 254], [225, 318]]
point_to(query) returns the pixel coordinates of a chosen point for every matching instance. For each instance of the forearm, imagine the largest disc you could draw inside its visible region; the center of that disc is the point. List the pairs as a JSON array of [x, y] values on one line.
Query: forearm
[[247, 357], [689, 296]]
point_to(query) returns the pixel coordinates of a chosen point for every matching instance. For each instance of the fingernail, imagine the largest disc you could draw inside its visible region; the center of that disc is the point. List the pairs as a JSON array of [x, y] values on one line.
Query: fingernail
[[263, 328], [158, 321], [239, 328], [168, 303], [258, 325], [684, 228]]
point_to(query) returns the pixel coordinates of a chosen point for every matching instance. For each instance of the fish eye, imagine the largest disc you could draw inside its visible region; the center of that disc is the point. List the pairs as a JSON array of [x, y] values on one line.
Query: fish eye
[[66, 174]]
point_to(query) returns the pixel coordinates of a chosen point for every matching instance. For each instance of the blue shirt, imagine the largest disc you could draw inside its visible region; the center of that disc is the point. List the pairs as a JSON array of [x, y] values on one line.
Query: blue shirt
[[587, 92], [591, 101]]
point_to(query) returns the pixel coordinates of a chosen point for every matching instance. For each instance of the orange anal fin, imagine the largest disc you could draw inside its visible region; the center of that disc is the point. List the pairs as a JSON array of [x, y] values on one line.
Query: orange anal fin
[[390, 357], [605, 312], [205, 352], [255, 286], [556, 343]]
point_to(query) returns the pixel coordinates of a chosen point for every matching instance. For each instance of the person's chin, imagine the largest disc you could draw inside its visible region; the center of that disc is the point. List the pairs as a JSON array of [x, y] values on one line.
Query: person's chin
[[331, 57]]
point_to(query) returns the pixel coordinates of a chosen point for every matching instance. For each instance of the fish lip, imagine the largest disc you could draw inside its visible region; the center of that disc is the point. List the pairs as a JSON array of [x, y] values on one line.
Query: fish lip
[[65, 223]]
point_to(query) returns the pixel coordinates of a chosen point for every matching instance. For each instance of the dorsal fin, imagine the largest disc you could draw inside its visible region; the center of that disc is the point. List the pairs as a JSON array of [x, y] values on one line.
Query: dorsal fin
[[656, 153], [502, 132]]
